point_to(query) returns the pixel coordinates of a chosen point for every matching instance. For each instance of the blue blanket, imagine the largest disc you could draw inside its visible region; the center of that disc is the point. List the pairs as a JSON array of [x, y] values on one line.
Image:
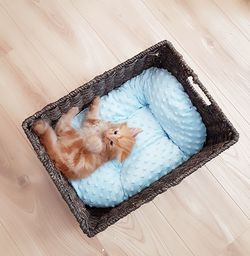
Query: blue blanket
[[172, 132]]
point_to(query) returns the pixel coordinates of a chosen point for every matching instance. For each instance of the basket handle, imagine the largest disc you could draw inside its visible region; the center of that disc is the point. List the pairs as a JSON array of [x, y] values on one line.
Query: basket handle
[[200, 89]]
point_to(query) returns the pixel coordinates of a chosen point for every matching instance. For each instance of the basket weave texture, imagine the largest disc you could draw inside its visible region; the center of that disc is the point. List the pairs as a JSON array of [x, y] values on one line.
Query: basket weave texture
[[220, 132]]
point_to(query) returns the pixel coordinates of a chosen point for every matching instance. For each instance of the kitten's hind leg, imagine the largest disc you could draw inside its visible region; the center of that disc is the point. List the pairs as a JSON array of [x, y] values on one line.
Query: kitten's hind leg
[[47, 135], [93, 111], [64, 123]]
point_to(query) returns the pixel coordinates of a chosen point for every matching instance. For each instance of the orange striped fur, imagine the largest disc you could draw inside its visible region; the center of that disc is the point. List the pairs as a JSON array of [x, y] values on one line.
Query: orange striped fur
[[78, 153]]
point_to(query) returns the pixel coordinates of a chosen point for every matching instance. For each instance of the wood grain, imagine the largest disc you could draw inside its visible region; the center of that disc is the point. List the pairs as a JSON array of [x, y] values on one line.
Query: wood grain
[[238, 11], [48, 48], [10, 248], [62, 39], [239, 246], [205, 211], [141, 233]]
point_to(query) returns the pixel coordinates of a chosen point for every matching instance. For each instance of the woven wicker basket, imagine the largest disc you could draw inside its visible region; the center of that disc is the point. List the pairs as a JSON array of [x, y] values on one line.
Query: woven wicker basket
[[220, 132]]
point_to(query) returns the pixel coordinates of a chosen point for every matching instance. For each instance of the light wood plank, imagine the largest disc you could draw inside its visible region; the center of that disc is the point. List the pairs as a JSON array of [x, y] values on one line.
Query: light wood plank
[[238, 11], [205, 214], [232, 171], [124, 36], [26, 80], [144, 232], [238, 247], [63, 40], [7, 245]]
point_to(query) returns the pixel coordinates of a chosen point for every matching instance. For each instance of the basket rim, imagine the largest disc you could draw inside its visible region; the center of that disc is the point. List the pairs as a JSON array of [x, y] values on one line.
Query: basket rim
[[90, 231]]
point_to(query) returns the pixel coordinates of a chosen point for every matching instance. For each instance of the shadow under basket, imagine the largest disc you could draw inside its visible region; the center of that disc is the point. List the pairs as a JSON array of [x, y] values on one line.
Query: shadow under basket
[[220, 132]]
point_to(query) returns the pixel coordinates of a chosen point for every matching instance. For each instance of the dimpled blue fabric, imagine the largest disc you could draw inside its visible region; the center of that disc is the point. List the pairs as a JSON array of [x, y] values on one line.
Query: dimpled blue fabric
[[172, 132]]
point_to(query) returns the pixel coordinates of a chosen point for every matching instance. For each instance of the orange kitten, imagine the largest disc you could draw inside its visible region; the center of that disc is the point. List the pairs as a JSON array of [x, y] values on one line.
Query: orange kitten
[[78, 153]]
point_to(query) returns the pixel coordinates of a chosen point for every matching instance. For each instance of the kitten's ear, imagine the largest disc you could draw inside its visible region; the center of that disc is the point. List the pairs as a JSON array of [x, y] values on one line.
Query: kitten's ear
[[135, 131]]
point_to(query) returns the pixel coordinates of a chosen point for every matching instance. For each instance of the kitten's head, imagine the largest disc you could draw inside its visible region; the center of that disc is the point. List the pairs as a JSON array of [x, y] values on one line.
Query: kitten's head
[[120, 140]]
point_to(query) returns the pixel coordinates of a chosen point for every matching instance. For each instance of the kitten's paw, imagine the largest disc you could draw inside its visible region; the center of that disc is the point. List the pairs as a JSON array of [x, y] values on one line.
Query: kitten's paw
[[74, 111], [96, 101], [40, 127]]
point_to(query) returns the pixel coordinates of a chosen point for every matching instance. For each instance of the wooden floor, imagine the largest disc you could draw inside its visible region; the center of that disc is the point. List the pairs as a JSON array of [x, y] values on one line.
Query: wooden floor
[[48, 48]]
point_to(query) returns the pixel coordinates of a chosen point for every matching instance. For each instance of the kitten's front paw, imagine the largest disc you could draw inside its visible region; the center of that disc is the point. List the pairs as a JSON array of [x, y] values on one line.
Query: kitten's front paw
[[40, 127], [96, 101], [74, 111]]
